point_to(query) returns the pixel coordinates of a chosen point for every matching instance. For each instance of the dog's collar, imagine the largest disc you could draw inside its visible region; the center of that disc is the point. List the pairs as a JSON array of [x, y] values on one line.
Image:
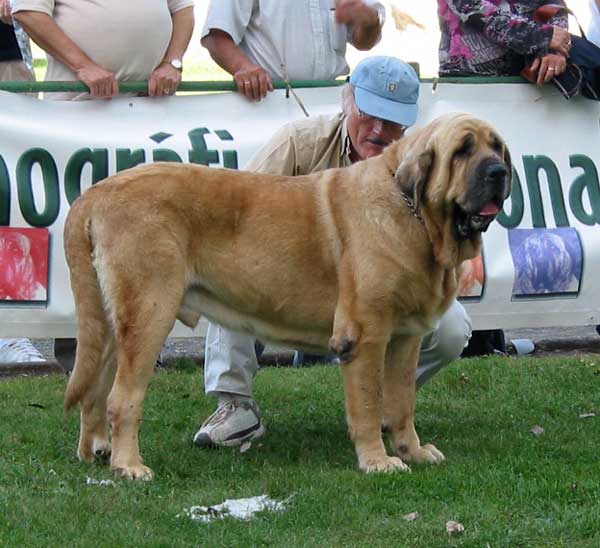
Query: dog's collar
[[411, 205]]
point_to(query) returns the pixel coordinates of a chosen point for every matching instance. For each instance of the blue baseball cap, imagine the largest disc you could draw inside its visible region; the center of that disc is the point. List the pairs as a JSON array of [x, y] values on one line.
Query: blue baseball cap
[[387, 88]]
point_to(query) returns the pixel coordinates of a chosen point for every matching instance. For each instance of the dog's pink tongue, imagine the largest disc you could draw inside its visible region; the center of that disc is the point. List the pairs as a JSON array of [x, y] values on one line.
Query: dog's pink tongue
[[489, 209]]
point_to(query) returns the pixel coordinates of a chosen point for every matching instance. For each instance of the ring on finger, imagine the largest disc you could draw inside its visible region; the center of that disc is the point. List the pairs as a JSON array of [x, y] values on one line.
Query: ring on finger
[[551, 68], [247, 83]]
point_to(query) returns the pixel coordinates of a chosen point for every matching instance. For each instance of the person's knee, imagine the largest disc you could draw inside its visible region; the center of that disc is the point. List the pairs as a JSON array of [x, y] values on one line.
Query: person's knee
[[453, 334]]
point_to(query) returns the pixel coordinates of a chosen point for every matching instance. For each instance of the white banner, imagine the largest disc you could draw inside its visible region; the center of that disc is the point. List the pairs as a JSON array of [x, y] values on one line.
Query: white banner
[[539, 263]]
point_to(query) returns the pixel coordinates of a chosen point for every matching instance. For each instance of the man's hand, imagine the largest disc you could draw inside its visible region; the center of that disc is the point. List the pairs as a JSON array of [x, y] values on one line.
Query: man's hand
[[102, 83], [253, 81], [355, 13], [163, 80], [548, 66], [5, 15], [561, 41]]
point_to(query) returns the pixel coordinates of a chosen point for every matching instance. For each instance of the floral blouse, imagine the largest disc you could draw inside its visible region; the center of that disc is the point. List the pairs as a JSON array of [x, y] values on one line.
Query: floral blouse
[[492, 37]]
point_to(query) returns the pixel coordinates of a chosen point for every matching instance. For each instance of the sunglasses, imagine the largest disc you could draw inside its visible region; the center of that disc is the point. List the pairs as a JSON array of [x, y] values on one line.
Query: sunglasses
[[387, 123]]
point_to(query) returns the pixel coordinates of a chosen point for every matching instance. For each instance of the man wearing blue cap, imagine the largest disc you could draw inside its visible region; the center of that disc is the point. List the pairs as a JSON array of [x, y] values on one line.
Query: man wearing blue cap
[[378, 105]]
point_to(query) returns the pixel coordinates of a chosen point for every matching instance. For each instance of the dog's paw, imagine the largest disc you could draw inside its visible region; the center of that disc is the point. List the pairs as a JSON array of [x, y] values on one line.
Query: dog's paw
[[429, 454], [342, 348], [383, 464], [343, 343], [94, 450], [102, 451], [139, 472]]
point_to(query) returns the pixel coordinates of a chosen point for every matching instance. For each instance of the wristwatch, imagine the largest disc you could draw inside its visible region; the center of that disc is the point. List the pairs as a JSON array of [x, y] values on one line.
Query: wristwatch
[[175, 63]]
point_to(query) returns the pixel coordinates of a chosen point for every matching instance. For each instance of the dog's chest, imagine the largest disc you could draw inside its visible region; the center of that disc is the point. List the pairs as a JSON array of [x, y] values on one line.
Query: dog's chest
[[416, 324]]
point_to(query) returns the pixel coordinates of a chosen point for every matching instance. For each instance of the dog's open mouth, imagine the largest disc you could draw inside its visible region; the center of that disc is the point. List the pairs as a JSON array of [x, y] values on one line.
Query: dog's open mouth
[[468, 223]]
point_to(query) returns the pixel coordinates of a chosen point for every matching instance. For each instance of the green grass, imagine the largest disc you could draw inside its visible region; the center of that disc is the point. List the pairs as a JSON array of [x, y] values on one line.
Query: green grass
[[506, 486]]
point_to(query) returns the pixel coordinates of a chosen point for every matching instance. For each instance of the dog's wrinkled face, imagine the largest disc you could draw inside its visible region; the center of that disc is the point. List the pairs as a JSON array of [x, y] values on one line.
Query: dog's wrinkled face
[[480, 174], [457, 162], [457, 173]]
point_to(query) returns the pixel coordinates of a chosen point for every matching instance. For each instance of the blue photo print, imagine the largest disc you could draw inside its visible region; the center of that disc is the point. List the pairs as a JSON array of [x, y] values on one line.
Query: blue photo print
[[547, 261]]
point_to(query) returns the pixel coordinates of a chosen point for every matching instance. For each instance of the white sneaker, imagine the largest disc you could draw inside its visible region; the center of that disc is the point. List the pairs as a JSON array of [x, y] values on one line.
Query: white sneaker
[[19, 351], [233, 423]]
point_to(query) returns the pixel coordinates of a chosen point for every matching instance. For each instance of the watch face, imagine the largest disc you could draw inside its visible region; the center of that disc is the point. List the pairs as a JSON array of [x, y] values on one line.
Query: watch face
[[176, 63]]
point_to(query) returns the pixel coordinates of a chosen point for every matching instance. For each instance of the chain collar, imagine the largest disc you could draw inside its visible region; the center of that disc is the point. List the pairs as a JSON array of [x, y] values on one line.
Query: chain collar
[[411, 205]]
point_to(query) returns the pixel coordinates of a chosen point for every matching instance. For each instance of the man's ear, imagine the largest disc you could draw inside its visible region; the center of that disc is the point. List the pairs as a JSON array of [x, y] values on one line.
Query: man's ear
[[412, 174]]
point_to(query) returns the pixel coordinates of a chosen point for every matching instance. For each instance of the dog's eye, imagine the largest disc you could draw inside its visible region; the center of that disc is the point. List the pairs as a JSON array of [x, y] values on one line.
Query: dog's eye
[[466, 147], [497, 146]]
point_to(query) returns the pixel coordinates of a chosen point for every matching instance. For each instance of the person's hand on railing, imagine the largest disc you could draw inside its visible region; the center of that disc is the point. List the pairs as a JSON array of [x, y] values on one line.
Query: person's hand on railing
[[561, 41], [5, 15], [253, 81], [102, 83], [164, 80], [548, 66]]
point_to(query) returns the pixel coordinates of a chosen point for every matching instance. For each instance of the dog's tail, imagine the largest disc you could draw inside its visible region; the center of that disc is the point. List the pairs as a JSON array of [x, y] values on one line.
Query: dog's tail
[[92, 321]]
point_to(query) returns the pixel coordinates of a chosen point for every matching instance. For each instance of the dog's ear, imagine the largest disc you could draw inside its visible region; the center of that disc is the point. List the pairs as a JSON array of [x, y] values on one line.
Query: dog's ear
[[413, 172]]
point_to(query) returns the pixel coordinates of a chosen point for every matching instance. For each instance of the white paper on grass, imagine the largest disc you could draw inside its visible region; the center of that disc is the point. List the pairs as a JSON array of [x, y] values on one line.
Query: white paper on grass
[[243, 509], [103, 483]]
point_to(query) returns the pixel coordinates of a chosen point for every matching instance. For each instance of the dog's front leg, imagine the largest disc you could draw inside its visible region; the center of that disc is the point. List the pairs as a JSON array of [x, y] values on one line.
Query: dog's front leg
[[399, 401], [364, 407], [346, 331]]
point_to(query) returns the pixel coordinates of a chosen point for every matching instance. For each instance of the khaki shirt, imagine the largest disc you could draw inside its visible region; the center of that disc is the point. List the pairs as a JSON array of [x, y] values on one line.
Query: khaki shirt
[[304, 147]]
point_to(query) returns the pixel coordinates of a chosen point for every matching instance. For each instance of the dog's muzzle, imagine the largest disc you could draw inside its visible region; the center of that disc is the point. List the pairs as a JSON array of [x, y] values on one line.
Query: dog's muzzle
[[486, 201]]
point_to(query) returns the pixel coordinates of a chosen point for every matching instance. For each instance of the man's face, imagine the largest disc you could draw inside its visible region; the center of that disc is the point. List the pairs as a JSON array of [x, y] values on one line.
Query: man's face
[[370, 135]]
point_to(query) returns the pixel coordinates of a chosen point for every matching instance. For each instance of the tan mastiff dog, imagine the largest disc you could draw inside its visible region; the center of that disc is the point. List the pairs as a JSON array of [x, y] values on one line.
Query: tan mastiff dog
[[362, 260]]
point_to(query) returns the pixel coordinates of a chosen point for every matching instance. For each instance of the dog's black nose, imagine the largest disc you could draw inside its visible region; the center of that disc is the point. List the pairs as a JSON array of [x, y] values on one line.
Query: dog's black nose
[[496, 172]]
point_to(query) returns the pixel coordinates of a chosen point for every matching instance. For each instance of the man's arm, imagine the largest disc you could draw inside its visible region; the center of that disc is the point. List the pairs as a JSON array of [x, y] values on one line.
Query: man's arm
[[44, 31], [165, 78], [251, 79], [277, 155], [364, 19]]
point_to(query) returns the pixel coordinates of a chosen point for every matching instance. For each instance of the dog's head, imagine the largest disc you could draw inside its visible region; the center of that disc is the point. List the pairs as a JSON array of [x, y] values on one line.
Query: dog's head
[[457, 173]]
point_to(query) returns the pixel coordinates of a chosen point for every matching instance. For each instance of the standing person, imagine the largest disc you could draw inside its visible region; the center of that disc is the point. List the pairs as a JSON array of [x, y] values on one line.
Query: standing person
[[485, 38], [378, 105], [107, 41], [260, 40], [16, 64], [102, 43]]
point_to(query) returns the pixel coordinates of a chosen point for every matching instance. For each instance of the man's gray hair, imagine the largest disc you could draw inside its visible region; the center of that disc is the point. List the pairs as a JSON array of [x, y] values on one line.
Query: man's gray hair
[[348, 98]]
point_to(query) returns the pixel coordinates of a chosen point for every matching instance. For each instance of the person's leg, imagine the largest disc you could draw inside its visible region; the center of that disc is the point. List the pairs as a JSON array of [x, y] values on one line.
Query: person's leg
[[230, 366], [445, 344], [230, 363]]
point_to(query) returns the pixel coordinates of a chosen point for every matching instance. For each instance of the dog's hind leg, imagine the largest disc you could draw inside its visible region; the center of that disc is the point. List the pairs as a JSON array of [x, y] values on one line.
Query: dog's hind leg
[[399, 401], [144, 313], [94, 443]]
